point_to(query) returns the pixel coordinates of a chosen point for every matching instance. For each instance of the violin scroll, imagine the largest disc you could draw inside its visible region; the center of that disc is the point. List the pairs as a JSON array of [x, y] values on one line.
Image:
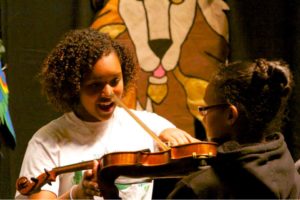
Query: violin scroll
[[23, 185], [27, 187]]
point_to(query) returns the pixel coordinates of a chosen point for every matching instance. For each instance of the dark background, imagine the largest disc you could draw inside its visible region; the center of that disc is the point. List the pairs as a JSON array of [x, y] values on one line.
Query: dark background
[[30, 28]]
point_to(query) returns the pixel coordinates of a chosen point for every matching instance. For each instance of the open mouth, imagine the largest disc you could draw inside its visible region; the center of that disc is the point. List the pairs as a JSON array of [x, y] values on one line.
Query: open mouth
[[107, 106]]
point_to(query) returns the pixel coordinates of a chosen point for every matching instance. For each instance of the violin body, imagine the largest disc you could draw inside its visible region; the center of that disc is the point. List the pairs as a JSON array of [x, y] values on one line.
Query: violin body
[[161, 164], [176, 162]]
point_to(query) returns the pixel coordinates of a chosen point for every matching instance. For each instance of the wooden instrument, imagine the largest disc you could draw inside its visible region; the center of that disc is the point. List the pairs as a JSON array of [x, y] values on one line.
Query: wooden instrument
[[178, 161]]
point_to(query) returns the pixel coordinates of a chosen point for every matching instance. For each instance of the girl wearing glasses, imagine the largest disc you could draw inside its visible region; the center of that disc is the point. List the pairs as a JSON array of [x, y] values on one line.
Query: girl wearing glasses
[[246, 104]]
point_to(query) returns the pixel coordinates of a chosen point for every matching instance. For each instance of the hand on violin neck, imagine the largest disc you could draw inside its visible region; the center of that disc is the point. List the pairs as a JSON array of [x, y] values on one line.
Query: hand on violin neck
[[175, 136], [89, 185]]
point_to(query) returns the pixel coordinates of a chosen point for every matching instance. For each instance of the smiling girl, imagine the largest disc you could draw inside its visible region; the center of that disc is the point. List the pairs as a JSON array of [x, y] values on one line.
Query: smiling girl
[[79, 77]]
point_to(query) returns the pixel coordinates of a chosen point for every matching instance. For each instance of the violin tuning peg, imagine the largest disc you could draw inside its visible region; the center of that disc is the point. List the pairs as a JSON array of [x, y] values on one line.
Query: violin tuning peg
[[47, 172], [35, 180], [49, 183]]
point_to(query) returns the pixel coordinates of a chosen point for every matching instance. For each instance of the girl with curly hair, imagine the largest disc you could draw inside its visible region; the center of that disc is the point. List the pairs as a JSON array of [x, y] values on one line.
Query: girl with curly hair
[[79, 77], [246, 105]]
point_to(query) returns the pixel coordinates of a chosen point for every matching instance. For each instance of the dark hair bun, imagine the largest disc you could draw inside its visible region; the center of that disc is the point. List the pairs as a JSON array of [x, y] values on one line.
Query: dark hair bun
[[272, 75]]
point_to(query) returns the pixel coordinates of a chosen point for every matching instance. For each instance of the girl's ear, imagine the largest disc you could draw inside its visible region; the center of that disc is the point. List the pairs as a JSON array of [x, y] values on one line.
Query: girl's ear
[[232, 114]]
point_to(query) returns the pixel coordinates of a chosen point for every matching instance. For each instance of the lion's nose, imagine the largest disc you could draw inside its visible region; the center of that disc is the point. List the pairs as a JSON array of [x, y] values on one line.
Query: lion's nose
[[160, 46]]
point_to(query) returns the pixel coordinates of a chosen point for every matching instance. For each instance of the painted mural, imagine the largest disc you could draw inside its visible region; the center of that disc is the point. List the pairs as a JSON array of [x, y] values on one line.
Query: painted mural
[[178, 44]]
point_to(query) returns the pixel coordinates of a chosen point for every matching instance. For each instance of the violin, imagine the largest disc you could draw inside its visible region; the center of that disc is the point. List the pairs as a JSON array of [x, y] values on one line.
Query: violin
[[174, 161]]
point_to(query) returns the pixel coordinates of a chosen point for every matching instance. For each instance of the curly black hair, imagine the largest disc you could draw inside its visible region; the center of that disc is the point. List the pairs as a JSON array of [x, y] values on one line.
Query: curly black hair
[[260, 90], [73, 59]]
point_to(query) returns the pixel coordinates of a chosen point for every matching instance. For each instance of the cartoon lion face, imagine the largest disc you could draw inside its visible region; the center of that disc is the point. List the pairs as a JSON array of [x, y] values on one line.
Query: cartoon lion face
[[178, 45]]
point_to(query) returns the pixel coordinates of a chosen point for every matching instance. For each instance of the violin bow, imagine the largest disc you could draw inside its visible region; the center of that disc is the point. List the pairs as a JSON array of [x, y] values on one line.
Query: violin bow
[[142, 124]]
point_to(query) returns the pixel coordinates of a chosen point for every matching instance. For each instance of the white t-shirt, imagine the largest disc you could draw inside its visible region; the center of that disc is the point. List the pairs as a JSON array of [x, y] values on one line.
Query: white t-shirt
[[68, 140]]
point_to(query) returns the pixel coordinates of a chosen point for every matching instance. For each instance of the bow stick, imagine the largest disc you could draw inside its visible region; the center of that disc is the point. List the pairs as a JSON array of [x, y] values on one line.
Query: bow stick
[[142, 124]]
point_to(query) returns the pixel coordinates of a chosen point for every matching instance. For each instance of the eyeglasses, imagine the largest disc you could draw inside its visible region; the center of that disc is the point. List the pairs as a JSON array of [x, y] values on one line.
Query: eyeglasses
[[203, 109]]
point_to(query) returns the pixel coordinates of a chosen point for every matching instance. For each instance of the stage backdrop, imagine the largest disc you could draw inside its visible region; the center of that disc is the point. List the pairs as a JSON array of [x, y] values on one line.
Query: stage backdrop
[[178, 45]]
